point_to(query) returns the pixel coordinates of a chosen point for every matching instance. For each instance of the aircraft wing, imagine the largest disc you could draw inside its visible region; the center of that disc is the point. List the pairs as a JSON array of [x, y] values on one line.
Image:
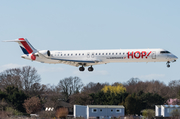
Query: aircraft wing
[[77, 62], [72, 62]]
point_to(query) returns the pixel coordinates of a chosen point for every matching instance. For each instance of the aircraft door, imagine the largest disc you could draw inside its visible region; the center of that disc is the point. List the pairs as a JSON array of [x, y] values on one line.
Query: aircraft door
[[154, 55]]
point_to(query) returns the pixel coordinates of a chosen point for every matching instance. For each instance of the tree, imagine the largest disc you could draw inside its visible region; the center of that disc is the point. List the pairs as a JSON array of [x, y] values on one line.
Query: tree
[[130, 104], [81, 99], [93, 87], [32, 105], [14, 97], [114, 89], [70, 86], [22, 78], [148, 113]]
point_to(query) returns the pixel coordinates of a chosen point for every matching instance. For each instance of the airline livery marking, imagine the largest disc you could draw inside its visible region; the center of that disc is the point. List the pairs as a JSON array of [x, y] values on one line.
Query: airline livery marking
[[86, 58]]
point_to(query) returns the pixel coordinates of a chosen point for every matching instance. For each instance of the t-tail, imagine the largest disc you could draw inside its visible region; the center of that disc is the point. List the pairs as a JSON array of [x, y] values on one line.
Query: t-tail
[[26, 47]]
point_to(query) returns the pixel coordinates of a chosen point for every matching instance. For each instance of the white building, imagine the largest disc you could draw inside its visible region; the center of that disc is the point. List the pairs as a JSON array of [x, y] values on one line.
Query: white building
[[165, 110], [101, 111]]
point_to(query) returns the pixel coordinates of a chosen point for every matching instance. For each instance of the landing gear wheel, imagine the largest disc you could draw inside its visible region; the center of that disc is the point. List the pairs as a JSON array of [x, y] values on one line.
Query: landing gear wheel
[[90, 68], [81, 68], [168, 65]]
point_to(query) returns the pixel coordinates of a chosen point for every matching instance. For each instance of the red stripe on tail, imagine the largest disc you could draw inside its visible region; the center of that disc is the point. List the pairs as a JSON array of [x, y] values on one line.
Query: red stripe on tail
[[26, 46]]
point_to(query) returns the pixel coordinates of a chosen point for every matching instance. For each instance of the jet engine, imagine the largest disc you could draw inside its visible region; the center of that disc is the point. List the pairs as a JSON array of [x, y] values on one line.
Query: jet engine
[[46, 53]]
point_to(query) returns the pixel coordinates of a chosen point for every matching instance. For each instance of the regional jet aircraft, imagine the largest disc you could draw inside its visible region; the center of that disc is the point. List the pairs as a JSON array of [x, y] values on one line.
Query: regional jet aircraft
[[85, 58]]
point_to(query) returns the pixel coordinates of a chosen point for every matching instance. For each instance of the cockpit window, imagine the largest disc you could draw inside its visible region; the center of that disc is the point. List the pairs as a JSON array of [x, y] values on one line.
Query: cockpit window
[[164, 52]]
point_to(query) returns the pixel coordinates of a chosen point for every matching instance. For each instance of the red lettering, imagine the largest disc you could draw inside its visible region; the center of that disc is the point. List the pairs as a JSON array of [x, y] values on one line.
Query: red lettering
[[143, 54], [148, 54], [130, 54], [139, 55]]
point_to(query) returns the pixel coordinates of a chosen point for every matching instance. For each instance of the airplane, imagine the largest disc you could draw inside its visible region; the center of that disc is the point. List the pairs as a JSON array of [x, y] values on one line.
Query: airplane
[[88, 58]]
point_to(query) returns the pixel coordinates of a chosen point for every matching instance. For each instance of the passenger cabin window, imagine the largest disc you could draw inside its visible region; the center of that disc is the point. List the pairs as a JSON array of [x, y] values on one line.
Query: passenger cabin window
[[71, 54], [119, 53], [99, 53], [79, 54], [83, 54], [61, 54], [106, 53], [109, 53], [111, 110], [112, 53], [64, 54], [162, 52], [116, 53], [96, 53], [68, 54], [102, 53]]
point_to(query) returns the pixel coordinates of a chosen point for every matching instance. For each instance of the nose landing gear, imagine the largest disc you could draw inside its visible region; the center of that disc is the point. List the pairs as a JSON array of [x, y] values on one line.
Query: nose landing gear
[[168, 65]]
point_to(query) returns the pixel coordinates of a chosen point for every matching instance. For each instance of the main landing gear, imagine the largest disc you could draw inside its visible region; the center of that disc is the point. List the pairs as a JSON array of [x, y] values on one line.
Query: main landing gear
[[89, 69], [168, 65], [81, 68]]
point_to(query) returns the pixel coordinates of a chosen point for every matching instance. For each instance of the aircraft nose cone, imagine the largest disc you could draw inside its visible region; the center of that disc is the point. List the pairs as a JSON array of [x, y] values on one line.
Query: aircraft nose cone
[[175, 57]]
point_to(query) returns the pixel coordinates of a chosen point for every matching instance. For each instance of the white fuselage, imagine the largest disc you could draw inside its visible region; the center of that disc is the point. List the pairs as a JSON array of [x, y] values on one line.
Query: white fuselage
[[94, 57]]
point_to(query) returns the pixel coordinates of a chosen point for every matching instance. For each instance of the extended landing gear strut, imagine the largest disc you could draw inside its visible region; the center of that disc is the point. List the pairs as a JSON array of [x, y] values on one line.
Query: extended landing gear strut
[[89, 69], [168, 65]]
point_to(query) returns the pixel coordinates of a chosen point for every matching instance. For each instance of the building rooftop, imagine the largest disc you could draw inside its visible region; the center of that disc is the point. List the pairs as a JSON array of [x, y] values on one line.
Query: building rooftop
[[105, 106]]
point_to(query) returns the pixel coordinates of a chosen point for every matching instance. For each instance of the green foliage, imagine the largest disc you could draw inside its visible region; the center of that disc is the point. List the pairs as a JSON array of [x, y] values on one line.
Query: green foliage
[[13, 96], [107, 98], [12, 111], [148, 113]]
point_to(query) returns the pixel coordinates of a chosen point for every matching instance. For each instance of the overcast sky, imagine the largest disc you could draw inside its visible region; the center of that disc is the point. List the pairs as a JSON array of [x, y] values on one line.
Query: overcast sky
[[87, 25]]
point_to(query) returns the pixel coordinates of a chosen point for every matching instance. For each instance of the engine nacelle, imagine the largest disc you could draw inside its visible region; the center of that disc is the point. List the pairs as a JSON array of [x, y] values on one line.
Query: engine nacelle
[[46, 53]]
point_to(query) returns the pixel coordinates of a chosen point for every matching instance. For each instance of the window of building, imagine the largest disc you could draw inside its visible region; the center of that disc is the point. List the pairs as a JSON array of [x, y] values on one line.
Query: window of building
[[118, 110], [94, 110]]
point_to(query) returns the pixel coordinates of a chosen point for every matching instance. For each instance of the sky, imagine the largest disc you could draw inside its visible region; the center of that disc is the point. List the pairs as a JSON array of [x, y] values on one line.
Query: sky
[[89, 25]]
